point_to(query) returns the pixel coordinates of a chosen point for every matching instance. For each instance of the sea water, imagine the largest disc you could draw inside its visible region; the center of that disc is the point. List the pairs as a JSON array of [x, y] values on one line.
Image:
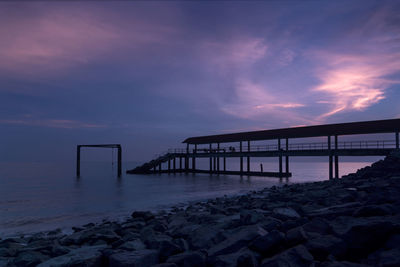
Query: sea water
[[45, 196]]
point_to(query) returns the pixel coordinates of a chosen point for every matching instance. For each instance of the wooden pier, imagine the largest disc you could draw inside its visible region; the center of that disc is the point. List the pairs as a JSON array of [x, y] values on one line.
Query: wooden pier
[[284, 147]]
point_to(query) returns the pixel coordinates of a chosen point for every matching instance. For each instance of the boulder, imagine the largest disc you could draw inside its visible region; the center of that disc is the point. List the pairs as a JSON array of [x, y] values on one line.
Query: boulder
[[295, 257], [385, 258], [286, 212], [363, 239], [250, 217], [374, 210], [29, 258], [188, 259], [296, 236], [322, 246], [84, 256], [318, 225], [167, 248], [243, 257], [203, 236], [136, 244], [268, 244], [138, 258], [236, 240]]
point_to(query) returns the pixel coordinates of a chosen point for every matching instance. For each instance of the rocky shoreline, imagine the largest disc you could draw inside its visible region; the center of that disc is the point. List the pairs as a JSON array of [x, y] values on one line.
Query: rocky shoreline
[[352, 221]]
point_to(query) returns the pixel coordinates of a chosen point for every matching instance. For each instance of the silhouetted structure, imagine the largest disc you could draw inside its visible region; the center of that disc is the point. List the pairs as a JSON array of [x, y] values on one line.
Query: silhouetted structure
[[214, 151], [78, 156]]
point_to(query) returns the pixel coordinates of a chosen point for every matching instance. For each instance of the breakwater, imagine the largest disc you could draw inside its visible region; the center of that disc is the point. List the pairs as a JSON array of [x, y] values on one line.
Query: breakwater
[[340, 222]]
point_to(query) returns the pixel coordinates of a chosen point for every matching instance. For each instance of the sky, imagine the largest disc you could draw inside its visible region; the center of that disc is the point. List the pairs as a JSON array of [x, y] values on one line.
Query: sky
[[149, 74]]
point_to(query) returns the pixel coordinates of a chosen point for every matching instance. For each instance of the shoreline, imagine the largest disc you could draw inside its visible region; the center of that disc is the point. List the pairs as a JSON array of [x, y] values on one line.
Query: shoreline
[[352, 220]]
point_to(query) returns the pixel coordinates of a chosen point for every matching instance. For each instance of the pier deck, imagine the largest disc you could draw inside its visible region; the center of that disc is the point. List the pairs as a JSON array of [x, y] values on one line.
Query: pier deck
[[210, 147]]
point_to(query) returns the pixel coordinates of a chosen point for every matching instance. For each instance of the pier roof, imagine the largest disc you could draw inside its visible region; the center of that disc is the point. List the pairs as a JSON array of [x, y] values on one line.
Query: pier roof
[[362, 127]]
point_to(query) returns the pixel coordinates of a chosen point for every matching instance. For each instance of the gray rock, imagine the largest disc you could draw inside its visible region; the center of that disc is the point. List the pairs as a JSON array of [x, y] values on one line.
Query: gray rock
[[136, 244], [167, 248], [250, 217], [321, 247], [318, 225], [346, 209], [5, 262], [84, 256], [140, 258], [188, 259], [152, 239], [203, 236], [243, 257], [268, 244], [286, 212], [385, 258], [363, 239], [29, 258], [374, 210], [296, 236], [236, 240], [182, 243], [295, 257]]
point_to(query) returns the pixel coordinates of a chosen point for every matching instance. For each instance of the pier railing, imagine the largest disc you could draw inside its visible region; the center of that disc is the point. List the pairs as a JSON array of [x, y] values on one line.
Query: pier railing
[[367, 144]]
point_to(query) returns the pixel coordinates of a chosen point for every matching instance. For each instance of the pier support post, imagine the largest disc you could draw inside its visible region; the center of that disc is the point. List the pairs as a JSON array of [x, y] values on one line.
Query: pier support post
[[287, 157], [397, 140], [330, 158], [169, 165], [336, 158], [218, 157], [187, 158], [194, 157], [159, 167], [78, 161], [280, 156], [180, 163], [119, 161], [174, 166], [224, 161], [241, 157], [248, 158], [210, 158]]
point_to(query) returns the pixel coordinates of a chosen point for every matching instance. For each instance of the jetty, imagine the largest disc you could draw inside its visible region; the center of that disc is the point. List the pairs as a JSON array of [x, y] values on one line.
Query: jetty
[[246, 145]]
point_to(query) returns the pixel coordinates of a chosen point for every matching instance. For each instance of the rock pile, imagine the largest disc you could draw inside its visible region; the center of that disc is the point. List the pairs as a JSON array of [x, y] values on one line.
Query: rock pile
[[353, 221]]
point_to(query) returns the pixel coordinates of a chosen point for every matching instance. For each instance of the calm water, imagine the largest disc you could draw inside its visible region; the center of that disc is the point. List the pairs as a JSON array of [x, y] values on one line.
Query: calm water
[[45, 196]]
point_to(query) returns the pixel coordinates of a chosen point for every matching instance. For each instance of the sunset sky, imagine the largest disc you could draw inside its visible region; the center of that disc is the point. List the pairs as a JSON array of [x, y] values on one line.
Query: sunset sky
[[149, 74]]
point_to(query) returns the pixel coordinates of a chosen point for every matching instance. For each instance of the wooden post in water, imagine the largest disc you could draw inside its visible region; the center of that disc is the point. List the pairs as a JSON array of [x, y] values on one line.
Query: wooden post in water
[[169, 165], [119, 161], [287, 157], [336, 158], [187, 158], [397, 140], [174, 166], [330, 158], [210, 158], [218, 157], [78, 161], [224, 161], [180, 163], [280, 156], [248, 158], [241, 158], [194, 157]]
